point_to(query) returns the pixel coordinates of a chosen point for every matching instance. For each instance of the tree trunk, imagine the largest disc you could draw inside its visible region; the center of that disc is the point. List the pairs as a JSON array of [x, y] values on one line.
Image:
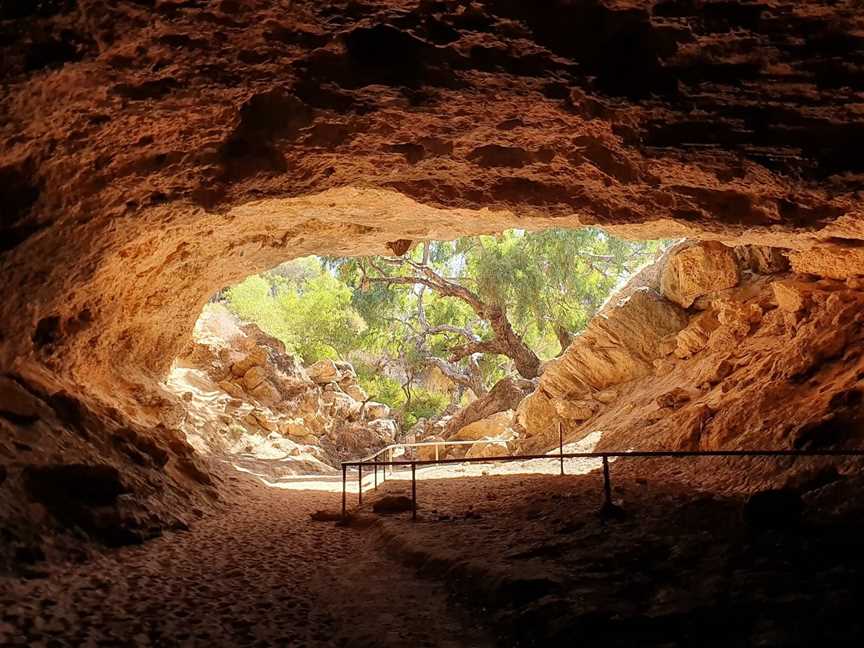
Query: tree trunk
[[564, 337]]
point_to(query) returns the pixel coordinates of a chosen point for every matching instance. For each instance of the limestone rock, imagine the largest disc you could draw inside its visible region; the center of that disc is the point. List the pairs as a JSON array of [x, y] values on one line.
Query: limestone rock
[[537, 419], [791, 296], [376, 410], [488, 448], [232, 389], [574, 410], [674, 398], [356, 392], [345, 369], [698, 269], [738, 317], [266, 393], [506, 394], [427, 453], [323, 371], [16, 400], [385, 428], [497, 425], [831, 261], [614, 348], [256, 357], [694, 337], [606, 396], [254, 377], [762, 259], [343, 406]]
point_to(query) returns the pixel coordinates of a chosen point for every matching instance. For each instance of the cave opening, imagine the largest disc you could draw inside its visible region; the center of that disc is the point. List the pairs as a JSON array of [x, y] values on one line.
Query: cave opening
[[155, 153], [321, 360]]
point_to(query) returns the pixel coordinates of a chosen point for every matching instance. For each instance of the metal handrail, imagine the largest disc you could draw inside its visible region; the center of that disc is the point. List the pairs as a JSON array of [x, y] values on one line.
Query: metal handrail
[[561, 455], [418, 444]]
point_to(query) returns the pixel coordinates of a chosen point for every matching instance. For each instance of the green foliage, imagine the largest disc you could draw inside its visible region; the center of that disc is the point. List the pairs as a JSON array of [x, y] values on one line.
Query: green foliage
[[310, 313], [384, 389], [424, 404], [548, 283]]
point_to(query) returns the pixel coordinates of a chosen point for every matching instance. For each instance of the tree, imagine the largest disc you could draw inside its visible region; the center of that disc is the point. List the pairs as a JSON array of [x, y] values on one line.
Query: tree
[[546, 283], [475, 309], [304, 306]]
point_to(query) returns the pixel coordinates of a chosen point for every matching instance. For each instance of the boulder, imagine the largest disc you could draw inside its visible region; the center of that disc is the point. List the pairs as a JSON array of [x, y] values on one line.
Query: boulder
[[342, 405], [505, 395], [537, 419], [762, 259], [606, 396], [232, 389], [831, 261], [376, 410], [574, 410], [488, 448], [385, 429], [256, 357], [738, 317], [427, 453], [617, 347], [694, 337], [323, 371], [345, 368], [791, 296], [266, 393], [697, 269], [497, 425], [355, 391], [254, 377]]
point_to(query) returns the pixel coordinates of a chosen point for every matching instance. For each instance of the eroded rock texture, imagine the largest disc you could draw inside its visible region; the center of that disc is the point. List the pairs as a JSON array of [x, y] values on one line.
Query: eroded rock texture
[[771, 362], [153, 152], [148, 152]]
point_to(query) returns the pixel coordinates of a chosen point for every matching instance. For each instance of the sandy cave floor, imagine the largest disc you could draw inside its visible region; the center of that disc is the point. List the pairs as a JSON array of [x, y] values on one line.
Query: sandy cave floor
[[507, 559], [259, 574]]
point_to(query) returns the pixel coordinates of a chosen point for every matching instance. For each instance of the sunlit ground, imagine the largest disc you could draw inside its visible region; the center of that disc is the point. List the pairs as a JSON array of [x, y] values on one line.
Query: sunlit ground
[[264, 470]]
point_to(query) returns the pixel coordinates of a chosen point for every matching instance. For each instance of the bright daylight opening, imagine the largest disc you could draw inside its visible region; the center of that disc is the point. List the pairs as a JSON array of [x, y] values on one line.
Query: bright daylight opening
[[322, 360]]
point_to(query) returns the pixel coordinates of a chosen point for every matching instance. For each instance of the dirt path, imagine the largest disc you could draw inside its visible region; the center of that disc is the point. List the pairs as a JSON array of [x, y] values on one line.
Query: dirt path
[[260, 574]]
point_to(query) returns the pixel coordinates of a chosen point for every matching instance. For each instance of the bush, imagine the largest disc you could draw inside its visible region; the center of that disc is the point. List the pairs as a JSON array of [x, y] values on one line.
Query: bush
[[424, 403]]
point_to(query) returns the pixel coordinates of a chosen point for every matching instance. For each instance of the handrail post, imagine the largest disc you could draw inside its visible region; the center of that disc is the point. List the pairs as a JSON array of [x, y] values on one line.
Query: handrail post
[[607, 485], [561, 445], [413, 491], [344, 489], [436, 452], [360, 484], [375, 470]]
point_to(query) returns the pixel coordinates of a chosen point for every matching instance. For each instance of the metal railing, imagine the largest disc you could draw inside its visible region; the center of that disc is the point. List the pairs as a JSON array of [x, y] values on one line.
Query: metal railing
[[373, 462]]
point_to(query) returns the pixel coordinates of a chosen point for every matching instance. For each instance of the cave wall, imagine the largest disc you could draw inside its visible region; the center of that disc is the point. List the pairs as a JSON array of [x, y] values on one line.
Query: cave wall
[[153, 151], [140, 140]]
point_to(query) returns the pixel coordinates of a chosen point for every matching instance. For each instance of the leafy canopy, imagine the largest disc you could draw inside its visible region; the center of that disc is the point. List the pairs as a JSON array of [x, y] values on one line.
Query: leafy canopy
[[548, 283]]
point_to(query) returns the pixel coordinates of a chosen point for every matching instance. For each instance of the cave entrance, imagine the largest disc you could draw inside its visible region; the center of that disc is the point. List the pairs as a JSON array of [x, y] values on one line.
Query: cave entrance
[[320, 360]]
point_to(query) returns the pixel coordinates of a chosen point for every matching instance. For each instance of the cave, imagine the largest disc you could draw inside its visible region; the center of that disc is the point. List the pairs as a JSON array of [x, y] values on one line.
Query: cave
[[155, 152]]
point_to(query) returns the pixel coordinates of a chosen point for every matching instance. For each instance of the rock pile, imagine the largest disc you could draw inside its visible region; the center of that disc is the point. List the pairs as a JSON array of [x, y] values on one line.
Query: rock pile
[[245, 394], [719, 349]]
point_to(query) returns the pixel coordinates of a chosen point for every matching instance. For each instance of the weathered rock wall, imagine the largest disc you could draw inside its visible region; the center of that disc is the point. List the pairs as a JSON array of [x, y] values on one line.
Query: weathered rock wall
[[152, 154], [773, 361], [243, 394]]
